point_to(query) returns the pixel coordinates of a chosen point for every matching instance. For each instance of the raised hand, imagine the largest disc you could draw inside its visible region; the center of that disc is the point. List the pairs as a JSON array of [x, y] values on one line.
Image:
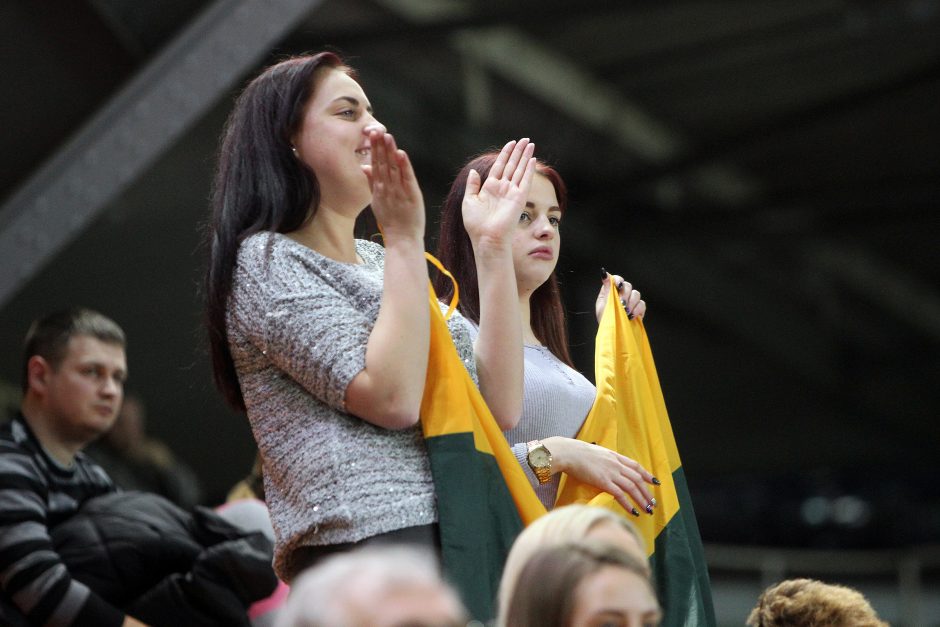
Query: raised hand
[[396, 198], [491, 209], [629, 297]]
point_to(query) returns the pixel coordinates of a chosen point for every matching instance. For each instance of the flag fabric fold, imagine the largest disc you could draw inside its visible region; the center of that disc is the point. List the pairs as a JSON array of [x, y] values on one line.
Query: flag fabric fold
[[629, 416], [483, 496]]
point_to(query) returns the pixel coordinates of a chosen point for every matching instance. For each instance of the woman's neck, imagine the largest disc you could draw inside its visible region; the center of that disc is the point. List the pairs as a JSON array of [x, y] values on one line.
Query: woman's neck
[[331, 234], [528, 336]]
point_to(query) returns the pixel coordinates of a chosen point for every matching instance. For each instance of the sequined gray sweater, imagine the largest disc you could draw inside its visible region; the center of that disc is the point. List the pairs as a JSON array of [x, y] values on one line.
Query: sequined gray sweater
[[298, 324]]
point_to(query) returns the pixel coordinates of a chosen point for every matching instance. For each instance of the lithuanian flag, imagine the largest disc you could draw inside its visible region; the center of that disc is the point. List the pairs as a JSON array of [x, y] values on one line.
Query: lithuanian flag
[[483, 496], [629, 416]]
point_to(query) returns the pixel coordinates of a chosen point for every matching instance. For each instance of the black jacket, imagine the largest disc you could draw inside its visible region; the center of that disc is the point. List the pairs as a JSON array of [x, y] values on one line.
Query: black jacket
[[163, 565]]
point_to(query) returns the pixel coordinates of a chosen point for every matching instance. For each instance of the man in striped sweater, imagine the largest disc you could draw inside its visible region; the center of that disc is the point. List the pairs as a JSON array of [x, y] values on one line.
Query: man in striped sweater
[[74, 368]]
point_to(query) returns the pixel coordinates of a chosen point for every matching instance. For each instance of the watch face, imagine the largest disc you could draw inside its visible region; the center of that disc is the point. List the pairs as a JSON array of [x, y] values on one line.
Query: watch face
[[539, 457]]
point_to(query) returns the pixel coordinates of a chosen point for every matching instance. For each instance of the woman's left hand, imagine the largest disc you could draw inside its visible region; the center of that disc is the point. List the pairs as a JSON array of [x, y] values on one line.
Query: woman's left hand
[[629, 297]]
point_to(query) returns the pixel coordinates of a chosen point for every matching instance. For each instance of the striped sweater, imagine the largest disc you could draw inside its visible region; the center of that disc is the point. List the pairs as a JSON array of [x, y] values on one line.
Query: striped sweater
[[37, 493]]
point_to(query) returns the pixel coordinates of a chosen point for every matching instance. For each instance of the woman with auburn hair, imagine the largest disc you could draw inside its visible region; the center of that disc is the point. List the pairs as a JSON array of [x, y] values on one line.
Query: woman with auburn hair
[[535, 360], [321, 338]]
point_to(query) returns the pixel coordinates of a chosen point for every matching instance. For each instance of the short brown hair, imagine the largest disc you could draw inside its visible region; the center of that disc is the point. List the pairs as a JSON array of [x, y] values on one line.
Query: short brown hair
[[807, 602], [49, 336]]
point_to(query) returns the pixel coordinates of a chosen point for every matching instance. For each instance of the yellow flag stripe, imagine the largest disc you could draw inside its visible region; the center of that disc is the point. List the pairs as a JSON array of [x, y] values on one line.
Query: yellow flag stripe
[[629, 417]]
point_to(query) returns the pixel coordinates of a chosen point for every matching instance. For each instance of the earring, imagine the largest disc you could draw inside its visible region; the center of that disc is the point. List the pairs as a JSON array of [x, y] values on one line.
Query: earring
[[294, 150]]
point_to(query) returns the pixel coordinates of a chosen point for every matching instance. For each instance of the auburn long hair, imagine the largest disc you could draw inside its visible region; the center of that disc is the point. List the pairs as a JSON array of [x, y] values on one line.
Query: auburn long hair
[[456, 253], [259, 186]]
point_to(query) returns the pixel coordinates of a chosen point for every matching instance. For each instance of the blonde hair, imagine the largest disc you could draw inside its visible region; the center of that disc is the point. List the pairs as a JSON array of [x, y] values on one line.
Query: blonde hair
[[560, 569], [570, 523], [325, 594], [808, 603]]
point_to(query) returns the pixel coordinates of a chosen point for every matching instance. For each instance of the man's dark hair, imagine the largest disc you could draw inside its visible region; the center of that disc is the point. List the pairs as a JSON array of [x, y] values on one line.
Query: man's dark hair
[[49, 336]]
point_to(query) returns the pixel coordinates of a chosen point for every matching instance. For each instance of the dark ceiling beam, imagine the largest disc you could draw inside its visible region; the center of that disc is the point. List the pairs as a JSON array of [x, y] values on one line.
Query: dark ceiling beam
[[721, 148], [436, 21], [794, 30], [134, 128], [894, 290]]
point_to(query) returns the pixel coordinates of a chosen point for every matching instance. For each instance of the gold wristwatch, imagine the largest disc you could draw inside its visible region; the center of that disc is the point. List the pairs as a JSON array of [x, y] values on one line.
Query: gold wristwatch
[[540, 460]]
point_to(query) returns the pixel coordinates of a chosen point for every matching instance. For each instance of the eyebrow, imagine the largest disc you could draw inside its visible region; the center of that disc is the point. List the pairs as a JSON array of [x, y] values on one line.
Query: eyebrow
[[354, 102], [531, 205]]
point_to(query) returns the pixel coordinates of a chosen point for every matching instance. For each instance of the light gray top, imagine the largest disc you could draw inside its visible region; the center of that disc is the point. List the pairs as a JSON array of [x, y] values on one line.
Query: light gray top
[[556, 400], [298, 325]]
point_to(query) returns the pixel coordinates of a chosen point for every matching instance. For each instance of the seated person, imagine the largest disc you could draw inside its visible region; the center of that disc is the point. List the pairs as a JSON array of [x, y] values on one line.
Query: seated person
[[583, 584], [136, 461], [74, 369], [570, 523], [380, 585], [807, 603], [73, 549]]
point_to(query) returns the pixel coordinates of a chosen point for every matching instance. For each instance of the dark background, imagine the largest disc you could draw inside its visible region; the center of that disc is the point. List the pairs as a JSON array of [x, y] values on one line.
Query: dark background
[[766, 173]]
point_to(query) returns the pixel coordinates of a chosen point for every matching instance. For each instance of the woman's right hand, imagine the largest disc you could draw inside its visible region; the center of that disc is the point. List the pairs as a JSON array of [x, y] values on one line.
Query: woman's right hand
[[396, 197], [491, 210], [604, 469]]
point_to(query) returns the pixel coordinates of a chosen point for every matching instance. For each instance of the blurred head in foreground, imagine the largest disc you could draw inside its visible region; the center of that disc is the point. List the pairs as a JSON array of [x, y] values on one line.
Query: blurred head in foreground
[[377, 586], [808, 603]]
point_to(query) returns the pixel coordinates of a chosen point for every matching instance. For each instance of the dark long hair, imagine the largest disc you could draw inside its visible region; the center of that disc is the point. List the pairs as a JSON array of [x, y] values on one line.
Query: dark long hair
[[456, 253], [259, 185]]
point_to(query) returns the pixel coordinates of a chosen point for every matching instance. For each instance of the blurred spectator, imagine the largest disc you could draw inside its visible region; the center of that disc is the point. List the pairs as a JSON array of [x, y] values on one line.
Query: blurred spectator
[[583, 584], [251, 487], [571, 523], [811, 603], [246, 509], [135, 461], [375, 586]]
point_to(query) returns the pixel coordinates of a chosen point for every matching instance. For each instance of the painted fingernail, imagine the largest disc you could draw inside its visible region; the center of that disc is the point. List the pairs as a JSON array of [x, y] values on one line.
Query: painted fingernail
[[629, 316], [634, 512], [653, 502], [657, 481], [603, 274], [649, 510], [619, 285], [624, 303]]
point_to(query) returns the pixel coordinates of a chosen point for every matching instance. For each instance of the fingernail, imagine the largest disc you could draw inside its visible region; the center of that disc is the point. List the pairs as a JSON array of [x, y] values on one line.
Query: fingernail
[[619, 285], [629, 316], [603, 274], [653, 502], [649, 510], [657, 481], [634, 512]]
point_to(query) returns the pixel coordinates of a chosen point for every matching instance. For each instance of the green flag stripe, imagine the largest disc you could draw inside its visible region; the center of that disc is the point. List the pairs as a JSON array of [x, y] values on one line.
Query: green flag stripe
[[478, 519], [679, 569]]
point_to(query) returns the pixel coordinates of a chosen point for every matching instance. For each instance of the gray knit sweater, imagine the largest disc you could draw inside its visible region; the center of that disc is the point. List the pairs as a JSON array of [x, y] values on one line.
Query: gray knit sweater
[[298, 324], [556, 400]]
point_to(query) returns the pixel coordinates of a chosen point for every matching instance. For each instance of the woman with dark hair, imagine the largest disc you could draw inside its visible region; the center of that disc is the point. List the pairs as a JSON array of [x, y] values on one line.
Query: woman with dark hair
[[555, 397], [322, 339]]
